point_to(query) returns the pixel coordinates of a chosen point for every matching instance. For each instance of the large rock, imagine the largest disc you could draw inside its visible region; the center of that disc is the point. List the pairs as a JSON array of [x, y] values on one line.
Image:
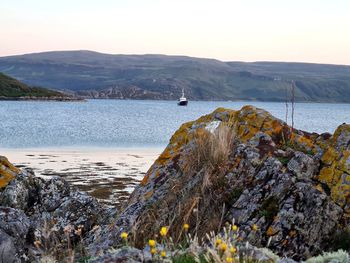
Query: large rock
[[33, 209], [248, 166], [14, 226]]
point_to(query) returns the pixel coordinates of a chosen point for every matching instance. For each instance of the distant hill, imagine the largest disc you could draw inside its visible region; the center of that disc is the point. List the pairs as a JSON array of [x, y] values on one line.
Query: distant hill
[[100, 75], [11, 88]]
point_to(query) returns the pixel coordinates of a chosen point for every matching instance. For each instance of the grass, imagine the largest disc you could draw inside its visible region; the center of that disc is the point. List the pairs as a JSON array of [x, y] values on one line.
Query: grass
[[227, 245]]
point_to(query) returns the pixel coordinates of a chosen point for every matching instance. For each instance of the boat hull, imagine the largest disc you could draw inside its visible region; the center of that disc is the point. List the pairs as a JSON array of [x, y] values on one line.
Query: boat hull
[[182, 103]]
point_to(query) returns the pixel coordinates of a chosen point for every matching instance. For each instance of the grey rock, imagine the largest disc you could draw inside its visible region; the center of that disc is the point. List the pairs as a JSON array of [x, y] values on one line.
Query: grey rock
[[123, 255], [14, 222], [8, 252], [303, 166], [53, 193]]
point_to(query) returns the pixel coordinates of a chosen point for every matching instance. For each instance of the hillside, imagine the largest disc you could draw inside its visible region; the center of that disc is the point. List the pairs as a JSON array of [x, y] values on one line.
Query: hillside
[[100, 75], [11, 88]]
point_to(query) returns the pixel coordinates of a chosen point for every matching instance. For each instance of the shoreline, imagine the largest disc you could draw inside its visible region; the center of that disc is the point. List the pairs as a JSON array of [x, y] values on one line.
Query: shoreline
[[109, 174], [58, 99]]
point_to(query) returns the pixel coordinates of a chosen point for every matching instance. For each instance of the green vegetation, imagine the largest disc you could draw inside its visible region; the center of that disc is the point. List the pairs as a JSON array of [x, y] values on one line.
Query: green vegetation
[[12, 88], [269, 208], [163, 77], [283, 160], [341, 240]]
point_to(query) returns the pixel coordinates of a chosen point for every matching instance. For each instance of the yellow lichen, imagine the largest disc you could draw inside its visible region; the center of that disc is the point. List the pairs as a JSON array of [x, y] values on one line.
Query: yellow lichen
[[149, 194], [329, 156], [271, 231], [7, 172], [326, 175]]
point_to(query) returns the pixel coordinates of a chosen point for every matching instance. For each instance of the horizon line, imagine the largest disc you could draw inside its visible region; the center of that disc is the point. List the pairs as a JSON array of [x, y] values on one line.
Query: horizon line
[[171, 55]]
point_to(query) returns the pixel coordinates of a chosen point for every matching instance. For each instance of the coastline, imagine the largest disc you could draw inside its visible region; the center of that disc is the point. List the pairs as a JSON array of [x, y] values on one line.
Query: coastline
[[109, 174], [60, 99]]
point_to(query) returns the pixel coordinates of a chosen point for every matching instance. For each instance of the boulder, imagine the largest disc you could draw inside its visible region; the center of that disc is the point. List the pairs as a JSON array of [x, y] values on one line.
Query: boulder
[[246, 166], [33, 209]]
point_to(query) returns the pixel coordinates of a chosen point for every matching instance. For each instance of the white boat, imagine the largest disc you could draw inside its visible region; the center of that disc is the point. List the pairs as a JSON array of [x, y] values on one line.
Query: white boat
[[183, 101]]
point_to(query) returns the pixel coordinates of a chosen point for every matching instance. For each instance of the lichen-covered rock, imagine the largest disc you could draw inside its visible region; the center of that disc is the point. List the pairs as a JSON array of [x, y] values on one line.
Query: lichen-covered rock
[[248, 166], [21, 193], [7, 172], [336, 167], [15, 224], [31, 208]]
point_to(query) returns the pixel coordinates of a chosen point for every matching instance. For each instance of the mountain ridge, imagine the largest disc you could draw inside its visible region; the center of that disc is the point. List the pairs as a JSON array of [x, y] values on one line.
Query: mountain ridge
[[155, 76]]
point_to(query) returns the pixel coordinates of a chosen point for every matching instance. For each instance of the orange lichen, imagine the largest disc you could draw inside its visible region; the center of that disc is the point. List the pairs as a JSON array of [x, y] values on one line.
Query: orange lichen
[[329, 156], [7, 172], [306, 142], [271, 231], [292, 233], [145, 180], [149, 194]]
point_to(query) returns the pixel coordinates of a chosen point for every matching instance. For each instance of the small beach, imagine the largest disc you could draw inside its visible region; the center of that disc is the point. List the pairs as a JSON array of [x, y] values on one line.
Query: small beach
[[109, 174]]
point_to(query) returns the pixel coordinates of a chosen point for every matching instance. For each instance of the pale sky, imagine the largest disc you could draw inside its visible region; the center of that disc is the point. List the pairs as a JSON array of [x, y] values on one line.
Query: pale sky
[[246, 30]]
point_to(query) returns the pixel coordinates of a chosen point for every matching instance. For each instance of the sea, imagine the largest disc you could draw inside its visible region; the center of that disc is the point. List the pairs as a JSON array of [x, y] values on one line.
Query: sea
[[133, 123]]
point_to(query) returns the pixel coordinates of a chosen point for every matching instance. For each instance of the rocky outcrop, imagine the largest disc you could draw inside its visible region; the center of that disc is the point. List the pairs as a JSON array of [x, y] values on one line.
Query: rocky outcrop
[[248, 166], [45, 214]]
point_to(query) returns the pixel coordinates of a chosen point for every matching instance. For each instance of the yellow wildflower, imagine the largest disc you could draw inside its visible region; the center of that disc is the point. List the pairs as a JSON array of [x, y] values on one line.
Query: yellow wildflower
[[124, 235], [218, 242], [255, 227], [229, 260], [153, 251], [163, 254], [152, 243], [234, 228], [163, 231], [223, 247], [233, 250], [186, 227]]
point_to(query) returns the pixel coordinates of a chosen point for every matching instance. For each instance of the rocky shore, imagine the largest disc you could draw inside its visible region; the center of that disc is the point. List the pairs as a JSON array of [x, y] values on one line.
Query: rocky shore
[[286, 190]]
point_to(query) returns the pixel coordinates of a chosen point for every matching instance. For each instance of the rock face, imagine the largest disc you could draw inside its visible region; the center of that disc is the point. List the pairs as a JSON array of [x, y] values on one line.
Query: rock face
[[42, 211], [248, 166]]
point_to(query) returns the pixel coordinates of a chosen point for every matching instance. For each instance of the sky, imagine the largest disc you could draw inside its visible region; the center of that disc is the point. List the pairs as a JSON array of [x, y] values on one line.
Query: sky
[[230, 30]]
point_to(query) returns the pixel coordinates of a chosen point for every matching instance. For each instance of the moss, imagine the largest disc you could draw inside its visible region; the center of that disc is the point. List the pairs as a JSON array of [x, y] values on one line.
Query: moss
[[341, 240], [269, 208], [234, 195], [283, 160], [186, 258]]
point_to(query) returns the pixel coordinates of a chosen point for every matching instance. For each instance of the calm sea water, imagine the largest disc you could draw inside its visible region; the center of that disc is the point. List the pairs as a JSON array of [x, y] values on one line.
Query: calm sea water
[[128, 123]]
